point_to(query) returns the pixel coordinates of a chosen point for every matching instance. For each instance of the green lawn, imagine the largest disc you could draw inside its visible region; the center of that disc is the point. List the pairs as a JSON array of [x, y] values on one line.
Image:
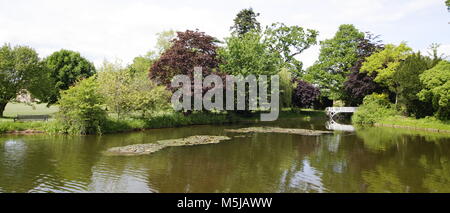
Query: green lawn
[[423, 123], [14, 109]]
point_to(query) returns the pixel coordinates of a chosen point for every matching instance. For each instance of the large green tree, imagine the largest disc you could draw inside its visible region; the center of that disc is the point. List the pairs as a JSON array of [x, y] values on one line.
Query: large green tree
[[245, 21], [20, 68], [290, 41], [409, 85], [66, 67], [436, 83], [359, 84], [248, 54], [337, 56], [386, 63]]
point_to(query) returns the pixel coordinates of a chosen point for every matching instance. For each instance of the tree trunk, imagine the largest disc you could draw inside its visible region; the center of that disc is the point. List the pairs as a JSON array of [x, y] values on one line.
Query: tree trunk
[[2, 108]]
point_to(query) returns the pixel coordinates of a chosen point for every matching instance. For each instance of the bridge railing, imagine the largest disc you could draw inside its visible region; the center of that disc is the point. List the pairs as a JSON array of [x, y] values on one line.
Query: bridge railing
[[341, 109]]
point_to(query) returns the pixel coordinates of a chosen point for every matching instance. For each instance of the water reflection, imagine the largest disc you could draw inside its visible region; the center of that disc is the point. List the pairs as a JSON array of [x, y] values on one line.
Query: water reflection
[[367, 160]]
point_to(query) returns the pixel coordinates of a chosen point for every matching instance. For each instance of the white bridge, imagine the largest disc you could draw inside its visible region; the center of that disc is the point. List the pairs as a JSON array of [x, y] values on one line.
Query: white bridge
[[333, 125], [332, 111]]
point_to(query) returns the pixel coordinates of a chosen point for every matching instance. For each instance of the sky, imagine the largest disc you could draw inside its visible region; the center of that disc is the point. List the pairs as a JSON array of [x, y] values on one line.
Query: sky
[[123, 29]]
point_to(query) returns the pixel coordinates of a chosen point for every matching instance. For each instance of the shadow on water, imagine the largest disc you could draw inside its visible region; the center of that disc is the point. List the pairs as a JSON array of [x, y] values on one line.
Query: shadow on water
[[365, 160]]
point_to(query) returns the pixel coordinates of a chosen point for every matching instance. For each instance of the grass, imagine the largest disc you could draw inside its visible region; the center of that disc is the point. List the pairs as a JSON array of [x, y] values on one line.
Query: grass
[[423, 123], [158, 120], [14, 109]]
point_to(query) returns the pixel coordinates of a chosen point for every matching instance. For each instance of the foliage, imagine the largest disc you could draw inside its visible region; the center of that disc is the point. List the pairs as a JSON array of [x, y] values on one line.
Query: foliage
[[188, 50], [337, 56], [290, 41], [375, 107], [385, 63], [113, 85], [305, 95], [436, 83], [164, 40], [66, 67], [409, 85], [359, 84], [82, 109], [245, 22], [247, 55], [447, 2], [8, 126], [20, 68], [146, 96], [286, 88], [126, 92], [141, 64]]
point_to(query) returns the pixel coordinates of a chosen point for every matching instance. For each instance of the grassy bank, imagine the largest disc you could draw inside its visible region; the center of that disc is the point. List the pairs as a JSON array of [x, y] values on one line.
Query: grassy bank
[[429, 123], [161, 120]]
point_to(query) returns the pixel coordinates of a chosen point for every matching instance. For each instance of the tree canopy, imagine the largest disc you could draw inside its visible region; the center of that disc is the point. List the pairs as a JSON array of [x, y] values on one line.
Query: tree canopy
[[386, 63], [409, 85], [337, 56], [248, 54], [20, 68], [290, 41], [245, 22], [66, 67], [436, 83], [360, 84], [189, 49]]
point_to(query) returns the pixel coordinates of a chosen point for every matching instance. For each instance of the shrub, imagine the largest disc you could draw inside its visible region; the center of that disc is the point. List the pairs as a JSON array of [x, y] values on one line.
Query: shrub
[[305, 95], [436, 83], [286, 88], [375, 107], [82, 109]]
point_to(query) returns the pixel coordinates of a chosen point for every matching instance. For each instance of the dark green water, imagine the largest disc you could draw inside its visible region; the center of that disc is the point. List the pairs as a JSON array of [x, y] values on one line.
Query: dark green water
[[369, 160]]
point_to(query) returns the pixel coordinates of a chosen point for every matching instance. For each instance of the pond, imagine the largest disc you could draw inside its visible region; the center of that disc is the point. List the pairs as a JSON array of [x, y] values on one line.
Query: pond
[[365, 160]]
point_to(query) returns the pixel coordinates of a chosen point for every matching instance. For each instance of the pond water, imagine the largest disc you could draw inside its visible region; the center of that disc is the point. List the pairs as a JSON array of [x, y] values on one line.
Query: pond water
[[366, 160]]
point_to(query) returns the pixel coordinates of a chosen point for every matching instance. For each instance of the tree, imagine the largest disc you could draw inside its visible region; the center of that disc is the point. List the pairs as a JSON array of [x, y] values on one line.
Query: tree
[[245, 22], [164, 40], [436, 83], [81, 109], [247, 55], [113, 85], [360, 84], [66, 68], [305, 95], [290, 41], [337, 56], [20, 68], [188, 50], [126, 91], [141, 64], [447, 2], [286, 88], [385, 63], [409, 85]]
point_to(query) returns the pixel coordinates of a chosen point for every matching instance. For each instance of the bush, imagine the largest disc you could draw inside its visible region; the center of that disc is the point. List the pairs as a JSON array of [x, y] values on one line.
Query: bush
[[286, 88], [126, 92], [82, 109], [436, 89], [375, 107], [305, 95]]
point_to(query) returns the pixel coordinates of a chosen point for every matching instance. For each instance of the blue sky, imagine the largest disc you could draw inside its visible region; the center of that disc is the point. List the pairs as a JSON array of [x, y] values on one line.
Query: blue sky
[[123, 29]]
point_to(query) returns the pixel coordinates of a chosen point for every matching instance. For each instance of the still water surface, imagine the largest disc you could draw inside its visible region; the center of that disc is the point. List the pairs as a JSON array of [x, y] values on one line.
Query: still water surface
[[367, 160]]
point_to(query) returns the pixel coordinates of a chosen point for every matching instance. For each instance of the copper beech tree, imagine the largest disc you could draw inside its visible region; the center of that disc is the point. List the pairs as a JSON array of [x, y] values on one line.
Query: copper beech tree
[[189, 49]]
